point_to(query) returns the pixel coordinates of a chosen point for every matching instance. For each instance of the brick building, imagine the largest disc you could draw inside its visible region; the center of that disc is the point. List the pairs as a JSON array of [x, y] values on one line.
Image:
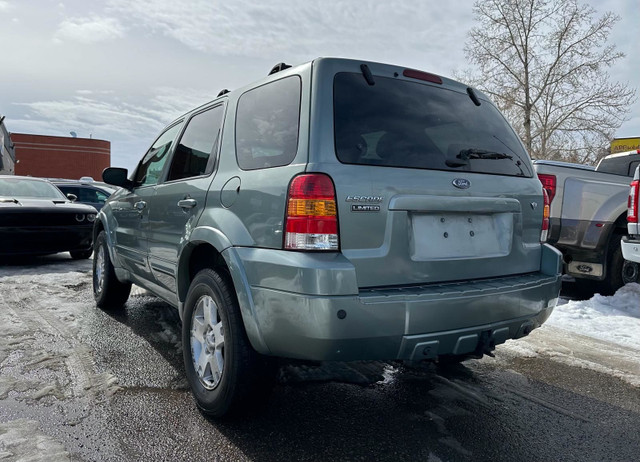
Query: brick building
[[59, 156]]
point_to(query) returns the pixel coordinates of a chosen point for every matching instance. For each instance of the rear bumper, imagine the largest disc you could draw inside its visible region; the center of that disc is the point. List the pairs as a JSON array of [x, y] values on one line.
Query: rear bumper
[[630, 249], [410, 323]]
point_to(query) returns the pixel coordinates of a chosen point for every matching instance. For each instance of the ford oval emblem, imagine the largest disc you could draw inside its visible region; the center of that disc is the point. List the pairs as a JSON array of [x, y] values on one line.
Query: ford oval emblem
[[584, 268], [461, 183]]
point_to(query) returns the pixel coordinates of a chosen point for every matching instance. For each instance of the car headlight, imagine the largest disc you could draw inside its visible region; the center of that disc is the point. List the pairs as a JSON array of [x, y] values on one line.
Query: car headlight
[[91, 217], [79, 217]]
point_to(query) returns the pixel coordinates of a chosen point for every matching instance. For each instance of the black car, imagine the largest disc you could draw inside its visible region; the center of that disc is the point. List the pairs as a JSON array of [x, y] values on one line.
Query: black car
[[36, 218], [87, 192]]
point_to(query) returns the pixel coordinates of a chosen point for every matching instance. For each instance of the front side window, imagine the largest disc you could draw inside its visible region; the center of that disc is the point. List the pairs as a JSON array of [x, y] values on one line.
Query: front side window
[[91, 195], [152, 164], [267, 124], [70, 190], [198, 145], [398, 123], [101, 196]]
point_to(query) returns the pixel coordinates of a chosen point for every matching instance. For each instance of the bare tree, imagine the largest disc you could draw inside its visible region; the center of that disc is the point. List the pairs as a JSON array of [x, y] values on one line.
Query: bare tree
[[544, 63]]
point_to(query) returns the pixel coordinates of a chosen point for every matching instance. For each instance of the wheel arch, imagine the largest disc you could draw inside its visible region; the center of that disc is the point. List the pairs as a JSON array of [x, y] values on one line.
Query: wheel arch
[[620, 225], [100, 225], [208, 248]]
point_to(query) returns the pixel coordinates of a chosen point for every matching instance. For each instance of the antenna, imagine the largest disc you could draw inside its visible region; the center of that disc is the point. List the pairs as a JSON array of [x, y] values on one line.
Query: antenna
[[73, 134]]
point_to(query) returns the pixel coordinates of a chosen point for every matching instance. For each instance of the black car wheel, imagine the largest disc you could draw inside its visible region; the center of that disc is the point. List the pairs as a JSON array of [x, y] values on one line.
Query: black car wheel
[[81, 254], [108, 291], [225, 373]]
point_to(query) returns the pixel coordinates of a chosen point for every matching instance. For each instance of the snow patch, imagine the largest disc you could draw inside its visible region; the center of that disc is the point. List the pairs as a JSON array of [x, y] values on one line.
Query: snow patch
[[22, 440], [615, 319], [601, 334], [103, 384], [39, 354]]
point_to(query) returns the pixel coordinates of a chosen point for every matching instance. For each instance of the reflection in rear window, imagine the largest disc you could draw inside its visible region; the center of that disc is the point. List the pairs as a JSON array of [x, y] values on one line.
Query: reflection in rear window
[[396, 123], [267, 124]]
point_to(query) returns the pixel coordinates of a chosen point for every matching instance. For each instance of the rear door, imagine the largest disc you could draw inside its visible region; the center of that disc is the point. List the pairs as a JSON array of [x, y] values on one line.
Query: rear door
[[179, 201], [431, 186]]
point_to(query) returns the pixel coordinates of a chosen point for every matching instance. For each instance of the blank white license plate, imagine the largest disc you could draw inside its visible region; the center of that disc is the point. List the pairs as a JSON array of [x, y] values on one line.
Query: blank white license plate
[[459, 235]]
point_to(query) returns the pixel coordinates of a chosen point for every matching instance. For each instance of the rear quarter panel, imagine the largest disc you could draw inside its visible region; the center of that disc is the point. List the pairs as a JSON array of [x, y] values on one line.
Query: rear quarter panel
[[248, 206]]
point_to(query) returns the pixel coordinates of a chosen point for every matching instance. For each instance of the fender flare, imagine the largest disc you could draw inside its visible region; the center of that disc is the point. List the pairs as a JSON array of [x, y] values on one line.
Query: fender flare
[[222, 245]]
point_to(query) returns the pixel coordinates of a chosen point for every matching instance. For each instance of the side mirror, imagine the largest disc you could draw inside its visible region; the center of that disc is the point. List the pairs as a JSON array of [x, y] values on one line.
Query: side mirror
[[117, 176], [72, 197]]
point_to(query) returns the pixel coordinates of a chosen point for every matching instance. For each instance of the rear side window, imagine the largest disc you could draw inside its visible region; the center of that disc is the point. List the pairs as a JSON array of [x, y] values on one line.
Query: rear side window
[[267, 123], [196, 150], [397, 123]]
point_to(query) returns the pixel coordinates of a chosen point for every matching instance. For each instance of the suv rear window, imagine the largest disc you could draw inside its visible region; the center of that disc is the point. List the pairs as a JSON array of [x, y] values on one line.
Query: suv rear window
[[267, 124], [396, 123]]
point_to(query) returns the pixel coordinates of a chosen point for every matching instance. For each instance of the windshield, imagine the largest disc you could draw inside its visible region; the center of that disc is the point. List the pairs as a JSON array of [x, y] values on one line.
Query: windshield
[[396, 123], [24, 187]]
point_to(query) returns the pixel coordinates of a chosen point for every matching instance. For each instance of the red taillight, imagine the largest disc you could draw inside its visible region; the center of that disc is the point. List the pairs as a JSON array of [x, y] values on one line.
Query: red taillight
[[632, 204], [549, 184], [312, 221], [545, 217]]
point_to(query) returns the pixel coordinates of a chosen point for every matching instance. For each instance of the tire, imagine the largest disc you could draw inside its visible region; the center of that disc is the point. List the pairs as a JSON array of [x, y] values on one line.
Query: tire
[[619, 270], [108, 291], [225, 373], [80, 254], [630, 272]]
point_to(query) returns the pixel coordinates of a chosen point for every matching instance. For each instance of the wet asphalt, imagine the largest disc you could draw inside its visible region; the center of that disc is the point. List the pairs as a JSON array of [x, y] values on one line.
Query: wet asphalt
[[121, 395]]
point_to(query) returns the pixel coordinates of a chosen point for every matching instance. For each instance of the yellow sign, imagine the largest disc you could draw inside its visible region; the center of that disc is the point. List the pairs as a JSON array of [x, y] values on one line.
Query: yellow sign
[[624, 144]]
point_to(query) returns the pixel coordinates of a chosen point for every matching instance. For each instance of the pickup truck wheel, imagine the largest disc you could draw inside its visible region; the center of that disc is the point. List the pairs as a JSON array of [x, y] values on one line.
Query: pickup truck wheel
[[630, 272], [223, 370], [108, 291], [621, 271]]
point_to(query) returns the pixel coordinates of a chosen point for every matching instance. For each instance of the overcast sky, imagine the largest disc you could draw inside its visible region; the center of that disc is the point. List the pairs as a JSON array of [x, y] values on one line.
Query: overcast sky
[[119, 70]]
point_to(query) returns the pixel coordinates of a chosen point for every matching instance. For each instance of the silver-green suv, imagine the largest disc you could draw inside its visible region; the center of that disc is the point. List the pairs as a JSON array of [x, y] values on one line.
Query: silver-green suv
[[337, 210]]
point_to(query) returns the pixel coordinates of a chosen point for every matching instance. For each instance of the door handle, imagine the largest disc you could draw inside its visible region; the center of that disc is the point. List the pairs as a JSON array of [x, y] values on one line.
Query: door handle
[[187, 203], [140, 206]]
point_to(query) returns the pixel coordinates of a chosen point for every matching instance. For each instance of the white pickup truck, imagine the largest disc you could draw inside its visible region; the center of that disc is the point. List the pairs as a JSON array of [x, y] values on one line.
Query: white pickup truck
[[631, 243], [588, 218]]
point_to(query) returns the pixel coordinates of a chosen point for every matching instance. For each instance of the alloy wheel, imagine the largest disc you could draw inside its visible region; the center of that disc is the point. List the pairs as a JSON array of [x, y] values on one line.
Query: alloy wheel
[[207, 342]]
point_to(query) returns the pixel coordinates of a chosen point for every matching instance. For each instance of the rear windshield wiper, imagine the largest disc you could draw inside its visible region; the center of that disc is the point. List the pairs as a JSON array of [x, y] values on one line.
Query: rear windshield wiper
[[467, 154]]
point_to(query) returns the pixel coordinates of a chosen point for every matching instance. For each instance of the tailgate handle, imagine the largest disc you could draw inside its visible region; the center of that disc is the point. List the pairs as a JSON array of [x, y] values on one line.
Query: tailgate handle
[[415, 203]]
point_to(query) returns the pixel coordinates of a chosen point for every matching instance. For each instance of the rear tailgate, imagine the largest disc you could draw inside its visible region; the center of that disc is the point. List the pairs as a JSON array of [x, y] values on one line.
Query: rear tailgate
[[407, 226], [432, 184]]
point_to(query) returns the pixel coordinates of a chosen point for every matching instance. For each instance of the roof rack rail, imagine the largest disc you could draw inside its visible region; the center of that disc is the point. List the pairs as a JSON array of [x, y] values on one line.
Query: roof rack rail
[[279, 67], [224, 91]]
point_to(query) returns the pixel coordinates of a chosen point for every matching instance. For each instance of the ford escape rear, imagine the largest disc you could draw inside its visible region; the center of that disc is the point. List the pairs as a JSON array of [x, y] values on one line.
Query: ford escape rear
[[337, 210]]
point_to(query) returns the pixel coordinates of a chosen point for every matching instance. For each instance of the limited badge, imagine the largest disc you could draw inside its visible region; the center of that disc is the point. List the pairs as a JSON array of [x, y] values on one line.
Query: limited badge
[[365, 208]]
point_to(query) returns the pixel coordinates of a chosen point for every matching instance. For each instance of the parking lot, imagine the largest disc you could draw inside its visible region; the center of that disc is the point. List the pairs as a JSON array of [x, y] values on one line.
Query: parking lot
[[78, 383]]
